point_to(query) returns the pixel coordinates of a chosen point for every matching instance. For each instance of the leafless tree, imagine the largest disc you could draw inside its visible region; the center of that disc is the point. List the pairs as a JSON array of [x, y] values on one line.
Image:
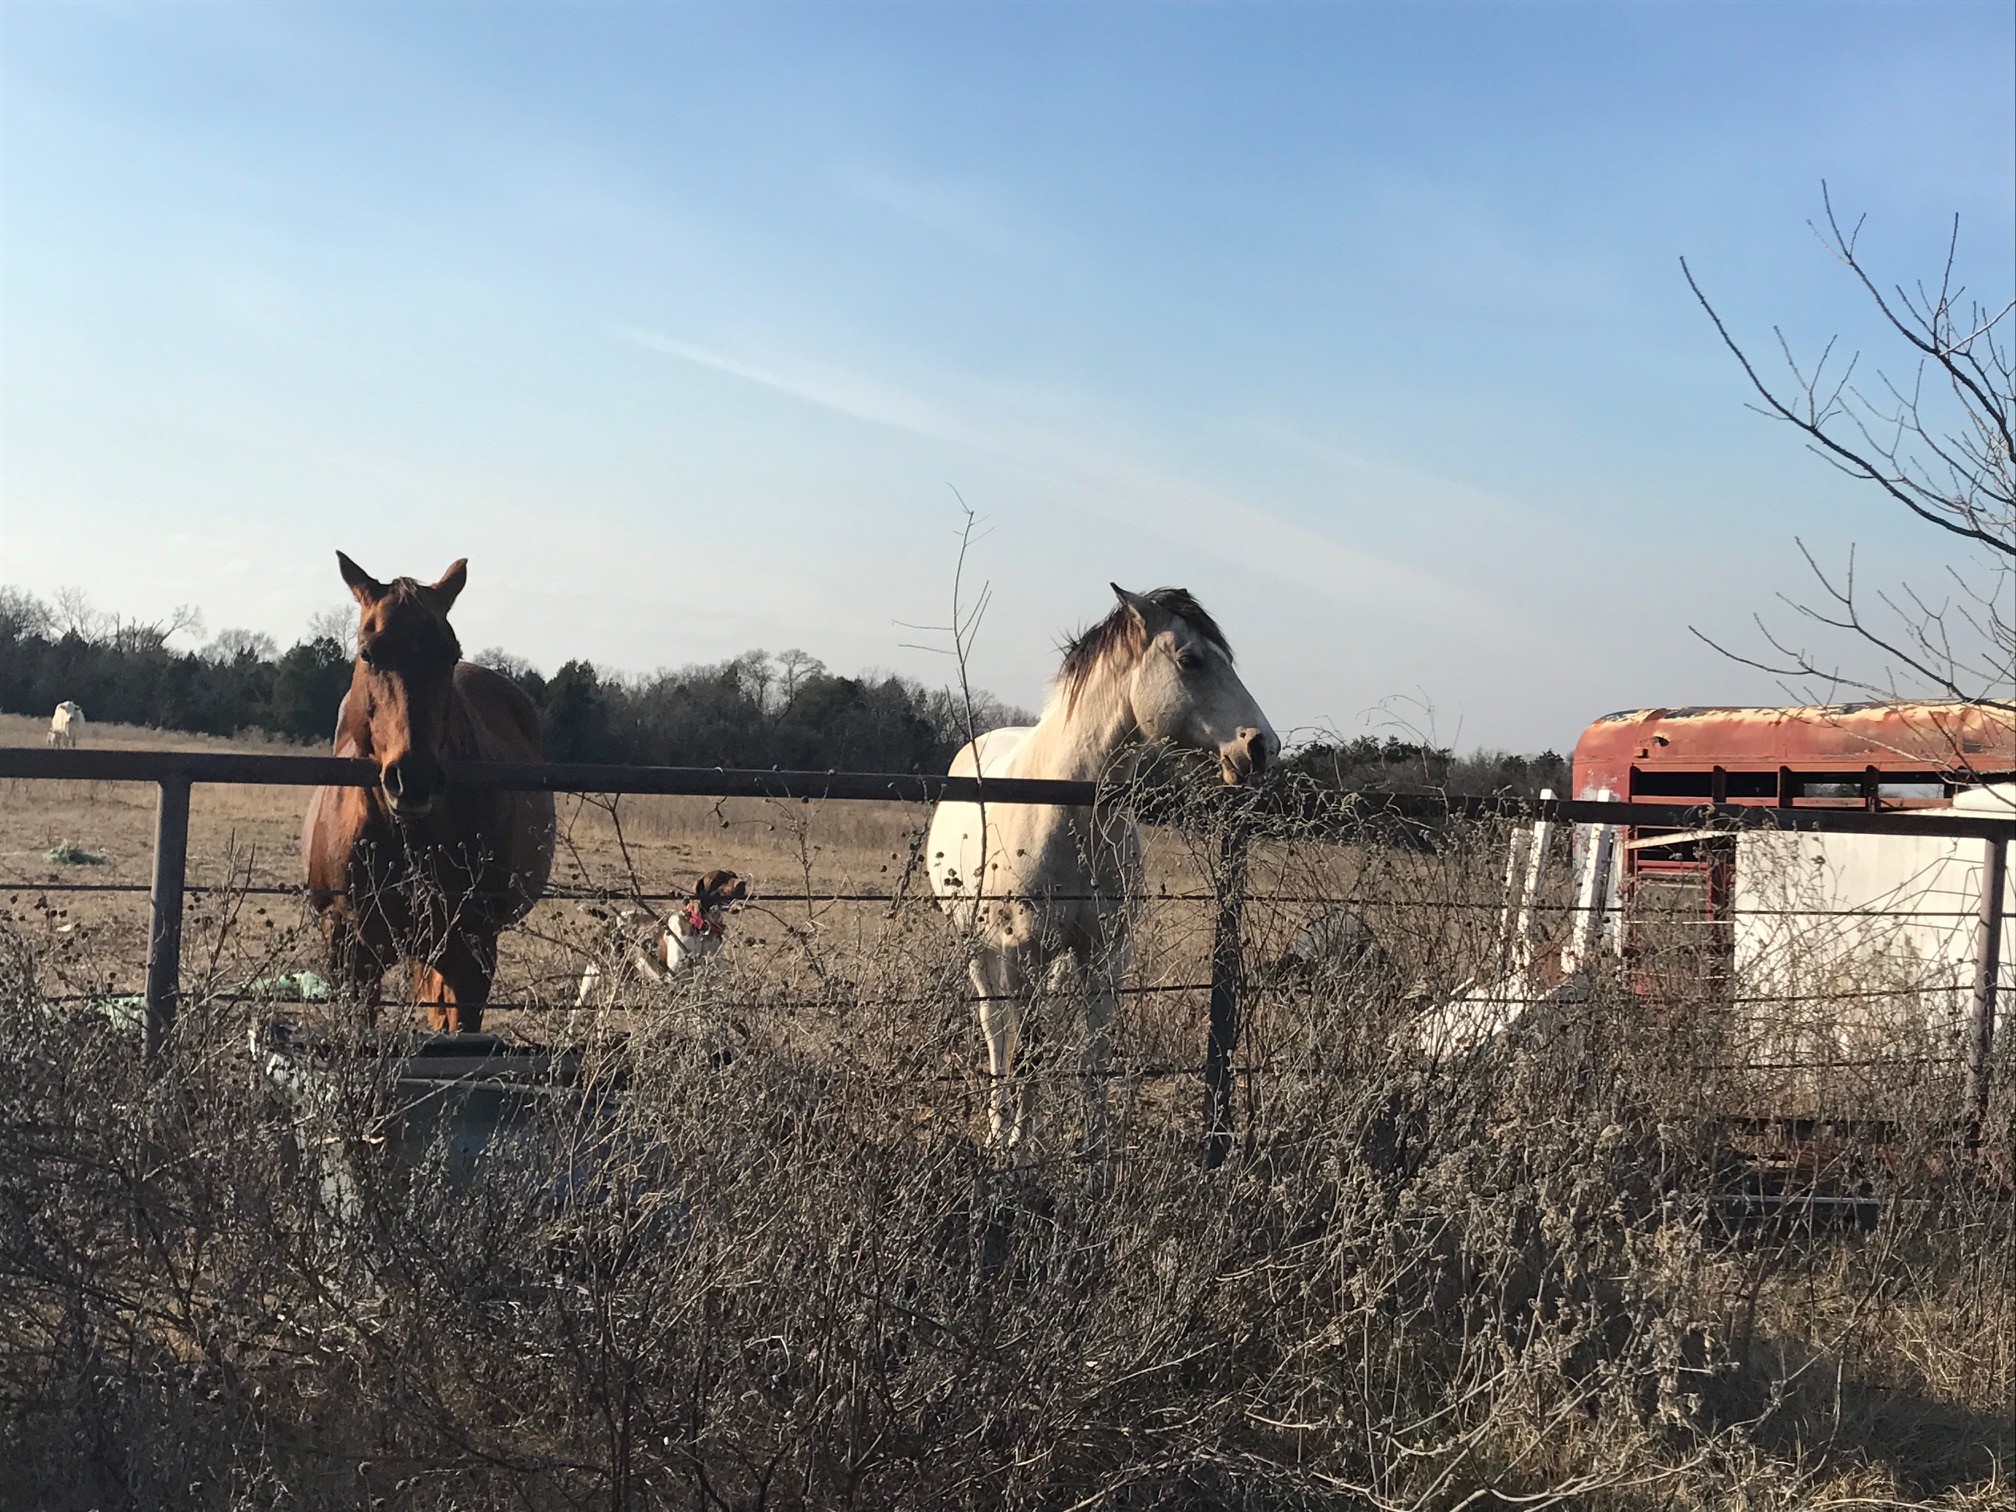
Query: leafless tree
[[74, 615], [963, 631], [796, 667], [497, 659], [22, 613], [338, 624], [230, 645], [133, 637], [1935, 438]]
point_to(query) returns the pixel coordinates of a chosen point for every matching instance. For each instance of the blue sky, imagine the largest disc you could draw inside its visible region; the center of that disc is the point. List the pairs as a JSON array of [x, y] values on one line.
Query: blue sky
[[1364, 322]]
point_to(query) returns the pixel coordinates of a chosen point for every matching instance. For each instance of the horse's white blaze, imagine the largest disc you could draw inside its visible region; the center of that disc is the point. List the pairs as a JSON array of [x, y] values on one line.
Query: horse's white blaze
[[1047, 893]]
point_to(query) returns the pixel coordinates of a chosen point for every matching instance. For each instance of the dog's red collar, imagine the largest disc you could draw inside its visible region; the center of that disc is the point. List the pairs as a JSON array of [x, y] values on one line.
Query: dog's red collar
[[700, 923]]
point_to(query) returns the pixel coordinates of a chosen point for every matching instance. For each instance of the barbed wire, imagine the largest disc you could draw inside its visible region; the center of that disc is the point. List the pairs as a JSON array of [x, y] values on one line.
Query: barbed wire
[[574, 893], [926, 999], [908, 1000], [1274, 1069]]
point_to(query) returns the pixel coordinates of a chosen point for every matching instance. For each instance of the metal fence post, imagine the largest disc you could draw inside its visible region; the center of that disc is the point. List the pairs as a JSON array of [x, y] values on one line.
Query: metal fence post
[[164, 934], [1225, 962], [1987, 969]]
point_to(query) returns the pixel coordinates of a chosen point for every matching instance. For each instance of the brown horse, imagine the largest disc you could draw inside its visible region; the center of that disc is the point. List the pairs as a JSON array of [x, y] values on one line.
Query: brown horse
[[419, 869]]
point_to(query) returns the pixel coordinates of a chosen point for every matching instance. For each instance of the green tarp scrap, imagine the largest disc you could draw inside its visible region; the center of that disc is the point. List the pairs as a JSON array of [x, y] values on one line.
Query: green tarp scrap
[[126, 1009], [63, 853], [129, 1009]]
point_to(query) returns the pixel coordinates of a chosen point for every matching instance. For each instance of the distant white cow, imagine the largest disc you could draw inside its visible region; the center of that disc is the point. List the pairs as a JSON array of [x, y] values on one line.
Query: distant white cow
[[686, 939], [64, 725]]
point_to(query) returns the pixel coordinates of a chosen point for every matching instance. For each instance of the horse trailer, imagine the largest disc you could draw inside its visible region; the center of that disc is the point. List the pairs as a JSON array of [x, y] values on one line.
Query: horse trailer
[[1832, 947]]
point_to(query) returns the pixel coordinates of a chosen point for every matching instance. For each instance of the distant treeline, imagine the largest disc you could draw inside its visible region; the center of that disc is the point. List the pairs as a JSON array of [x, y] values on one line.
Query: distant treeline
[[123, 671], [756, 710], [1369, 764]]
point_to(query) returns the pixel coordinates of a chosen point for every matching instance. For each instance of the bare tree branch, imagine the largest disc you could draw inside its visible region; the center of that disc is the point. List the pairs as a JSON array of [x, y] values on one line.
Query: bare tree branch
[[1944, 454]]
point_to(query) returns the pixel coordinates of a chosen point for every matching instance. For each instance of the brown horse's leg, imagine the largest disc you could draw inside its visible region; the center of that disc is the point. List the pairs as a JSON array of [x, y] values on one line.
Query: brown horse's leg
[[431, 989], [458, 986]]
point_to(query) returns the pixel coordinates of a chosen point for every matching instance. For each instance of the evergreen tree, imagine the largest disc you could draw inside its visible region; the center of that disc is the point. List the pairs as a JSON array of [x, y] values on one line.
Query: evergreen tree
[[309, 682]]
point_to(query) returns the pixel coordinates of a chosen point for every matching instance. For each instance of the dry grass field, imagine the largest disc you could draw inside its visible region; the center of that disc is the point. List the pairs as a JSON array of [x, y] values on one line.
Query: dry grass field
[[820, 874], [776, 1265]]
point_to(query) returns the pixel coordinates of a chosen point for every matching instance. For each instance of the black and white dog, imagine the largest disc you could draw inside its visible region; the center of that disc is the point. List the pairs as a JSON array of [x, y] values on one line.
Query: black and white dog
[[683, 941]]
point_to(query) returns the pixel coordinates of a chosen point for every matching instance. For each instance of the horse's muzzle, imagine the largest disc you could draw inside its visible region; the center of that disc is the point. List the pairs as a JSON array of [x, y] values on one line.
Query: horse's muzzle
[[1245, 756], [412, 783]]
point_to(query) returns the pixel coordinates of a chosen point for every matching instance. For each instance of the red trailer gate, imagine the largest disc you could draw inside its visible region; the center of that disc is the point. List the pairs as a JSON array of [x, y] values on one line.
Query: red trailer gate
[[1878, 757]]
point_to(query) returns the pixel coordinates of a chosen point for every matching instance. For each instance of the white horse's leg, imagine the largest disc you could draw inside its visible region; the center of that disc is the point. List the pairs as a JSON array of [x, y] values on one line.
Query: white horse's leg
[[1001, 1022]]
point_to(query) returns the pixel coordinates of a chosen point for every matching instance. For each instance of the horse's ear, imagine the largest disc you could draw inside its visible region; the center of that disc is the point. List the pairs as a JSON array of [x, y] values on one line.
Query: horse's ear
[[366, 589], [1149, 615], [451, 581]]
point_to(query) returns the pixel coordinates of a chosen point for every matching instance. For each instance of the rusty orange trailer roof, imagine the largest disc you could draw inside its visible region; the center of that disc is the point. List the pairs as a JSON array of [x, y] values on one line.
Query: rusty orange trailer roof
[[1960, 741]]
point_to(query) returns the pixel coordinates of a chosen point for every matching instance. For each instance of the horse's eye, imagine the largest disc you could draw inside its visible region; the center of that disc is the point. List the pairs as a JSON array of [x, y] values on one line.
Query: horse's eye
[[1189, 661], [367, 656]]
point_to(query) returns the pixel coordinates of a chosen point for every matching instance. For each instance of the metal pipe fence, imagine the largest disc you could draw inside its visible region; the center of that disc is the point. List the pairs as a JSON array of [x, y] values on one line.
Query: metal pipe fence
[[1314, 812], [1301, 814]]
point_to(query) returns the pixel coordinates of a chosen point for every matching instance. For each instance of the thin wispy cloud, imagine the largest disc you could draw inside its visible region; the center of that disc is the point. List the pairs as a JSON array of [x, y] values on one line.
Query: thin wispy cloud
[[1469, 246], [1480, 504], [1090, 474], [829, 388], [962, 211]]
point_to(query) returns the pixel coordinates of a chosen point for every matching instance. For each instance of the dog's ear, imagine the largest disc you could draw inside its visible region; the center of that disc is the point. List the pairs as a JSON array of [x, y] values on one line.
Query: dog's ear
[[720, 884]]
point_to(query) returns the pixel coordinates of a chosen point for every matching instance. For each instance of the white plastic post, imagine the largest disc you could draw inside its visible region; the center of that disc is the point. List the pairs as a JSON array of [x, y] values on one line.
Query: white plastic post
[[1592, 894], [1536, 868]]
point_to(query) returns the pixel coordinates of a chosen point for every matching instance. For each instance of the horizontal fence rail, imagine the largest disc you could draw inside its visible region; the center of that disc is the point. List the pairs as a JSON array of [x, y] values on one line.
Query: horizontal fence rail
[[1303, 811], [541, 776], [575, 893], [925, 787]]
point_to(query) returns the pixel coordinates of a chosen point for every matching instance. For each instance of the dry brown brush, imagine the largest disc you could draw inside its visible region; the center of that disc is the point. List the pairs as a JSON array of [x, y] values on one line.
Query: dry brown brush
[[776, 1267]]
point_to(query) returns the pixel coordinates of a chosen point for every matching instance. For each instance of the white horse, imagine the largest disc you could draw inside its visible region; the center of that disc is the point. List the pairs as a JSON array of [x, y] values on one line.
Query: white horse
[[1043, 892], [64, 724]]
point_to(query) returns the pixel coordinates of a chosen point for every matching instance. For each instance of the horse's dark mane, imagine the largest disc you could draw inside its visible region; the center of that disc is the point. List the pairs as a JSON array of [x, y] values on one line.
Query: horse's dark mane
[[412, 588], [416, 593], [1120, 634]]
